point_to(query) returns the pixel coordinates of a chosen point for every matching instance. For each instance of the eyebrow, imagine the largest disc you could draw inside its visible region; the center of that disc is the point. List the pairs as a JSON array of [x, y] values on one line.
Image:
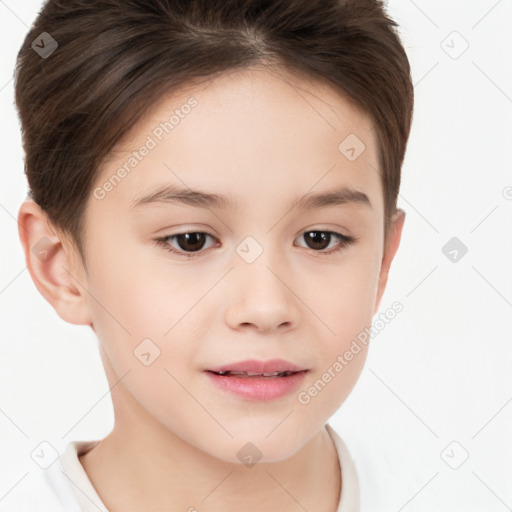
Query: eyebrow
[[173, 194]]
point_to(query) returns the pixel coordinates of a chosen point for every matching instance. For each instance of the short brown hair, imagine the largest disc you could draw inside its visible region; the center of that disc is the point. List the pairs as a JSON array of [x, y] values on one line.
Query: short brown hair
[[116, 58]]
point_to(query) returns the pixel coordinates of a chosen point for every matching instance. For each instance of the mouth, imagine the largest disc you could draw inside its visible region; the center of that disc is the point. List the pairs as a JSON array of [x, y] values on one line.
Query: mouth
[[254, 367], [264, 381], [249, 375]]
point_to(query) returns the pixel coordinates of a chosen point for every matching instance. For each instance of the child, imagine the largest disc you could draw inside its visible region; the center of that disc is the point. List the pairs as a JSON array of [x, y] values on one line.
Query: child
[[213, 190]]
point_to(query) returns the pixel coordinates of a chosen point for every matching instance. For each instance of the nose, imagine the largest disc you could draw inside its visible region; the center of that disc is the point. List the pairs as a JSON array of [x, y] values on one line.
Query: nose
[[262, 298]]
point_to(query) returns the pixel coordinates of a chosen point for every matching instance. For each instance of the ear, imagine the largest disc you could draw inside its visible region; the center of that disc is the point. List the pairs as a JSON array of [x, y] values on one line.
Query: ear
[[53, 265], [390, 248]]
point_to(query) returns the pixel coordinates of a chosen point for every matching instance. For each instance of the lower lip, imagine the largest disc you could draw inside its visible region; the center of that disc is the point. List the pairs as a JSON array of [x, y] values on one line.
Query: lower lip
[[258, 388]]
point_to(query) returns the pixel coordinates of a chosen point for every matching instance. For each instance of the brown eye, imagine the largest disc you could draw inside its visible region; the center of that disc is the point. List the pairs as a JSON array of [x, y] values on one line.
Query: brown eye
[[318, 241], [191, 241], [185, 244], [196, 242]]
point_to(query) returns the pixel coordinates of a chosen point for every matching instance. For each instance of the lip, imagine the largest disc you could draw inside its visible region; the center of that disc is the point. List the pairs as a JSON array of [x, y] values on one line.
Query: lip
[[258, 389], [260, 366]]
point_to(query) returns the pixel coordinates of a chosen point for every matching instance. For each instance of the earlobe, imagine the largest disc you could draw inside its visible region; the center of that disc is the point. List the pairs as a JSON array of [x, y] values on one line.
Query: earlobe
[[50, 265], [390, 249]]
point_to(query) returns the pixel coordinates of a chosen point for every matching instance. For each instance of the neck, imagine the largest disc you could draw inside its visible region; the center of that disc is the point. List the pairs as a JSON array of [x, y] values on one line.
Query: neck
[[155, 468]]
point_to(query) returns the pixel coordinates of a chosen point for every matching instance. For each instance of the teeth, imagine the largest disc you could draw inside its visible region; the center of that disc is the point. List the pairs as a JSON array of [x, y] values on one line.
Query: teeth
[[254, 374]]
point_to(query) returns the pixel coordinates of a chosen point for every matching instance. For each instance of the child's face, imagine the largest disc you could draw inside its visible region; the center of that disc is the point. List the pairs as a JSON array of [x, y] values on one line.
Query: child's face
[[258, 286]]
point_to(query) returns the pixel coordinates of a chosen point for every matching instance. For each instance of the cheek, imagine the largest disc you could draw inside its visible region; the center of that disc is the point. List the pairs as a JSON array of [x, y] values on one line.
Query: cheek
[[141, 321], [142, 308], [133, 289], [345, 300], [344, 293]]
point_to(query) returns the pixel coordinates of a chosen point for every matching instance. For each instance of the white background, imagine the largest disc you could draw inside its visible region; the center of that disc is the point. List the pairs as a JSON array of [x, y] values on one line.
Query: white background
[[440, 372]]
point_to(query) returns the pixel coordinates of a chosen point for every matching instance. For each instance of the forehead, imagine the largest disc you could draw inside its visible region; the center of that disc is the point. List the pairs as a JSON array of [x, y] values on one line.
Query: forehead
[[248, 134]]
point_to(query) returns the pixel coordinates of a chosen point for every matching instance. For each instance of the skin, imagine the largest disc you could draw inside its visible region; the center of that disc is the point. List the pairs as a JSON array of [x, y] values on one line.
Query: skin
[[262, 139]]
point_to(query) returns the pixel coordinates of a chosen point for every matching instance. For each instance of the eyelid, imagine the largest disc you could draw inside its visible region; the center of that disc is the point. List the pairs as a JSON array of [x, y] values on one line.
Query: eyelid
[[162, 242], [344, 241]]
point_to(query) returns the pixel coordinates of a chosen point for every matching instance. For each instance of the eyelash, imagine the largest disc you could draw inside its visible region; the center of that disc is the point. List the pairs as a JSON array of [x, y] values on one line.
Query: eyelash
[[344, 240]]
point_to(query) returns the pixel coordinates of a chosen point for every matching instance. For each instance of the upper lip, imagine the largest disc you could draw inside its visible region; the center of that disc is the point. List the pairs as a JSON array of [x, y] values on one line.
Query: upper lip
[[259, 366]]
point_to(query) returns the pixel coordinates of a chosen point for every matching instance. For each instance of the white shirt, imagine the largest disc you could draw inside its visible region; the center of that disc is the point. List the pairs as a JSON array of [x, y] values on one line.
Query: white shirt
[[65, 486]]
